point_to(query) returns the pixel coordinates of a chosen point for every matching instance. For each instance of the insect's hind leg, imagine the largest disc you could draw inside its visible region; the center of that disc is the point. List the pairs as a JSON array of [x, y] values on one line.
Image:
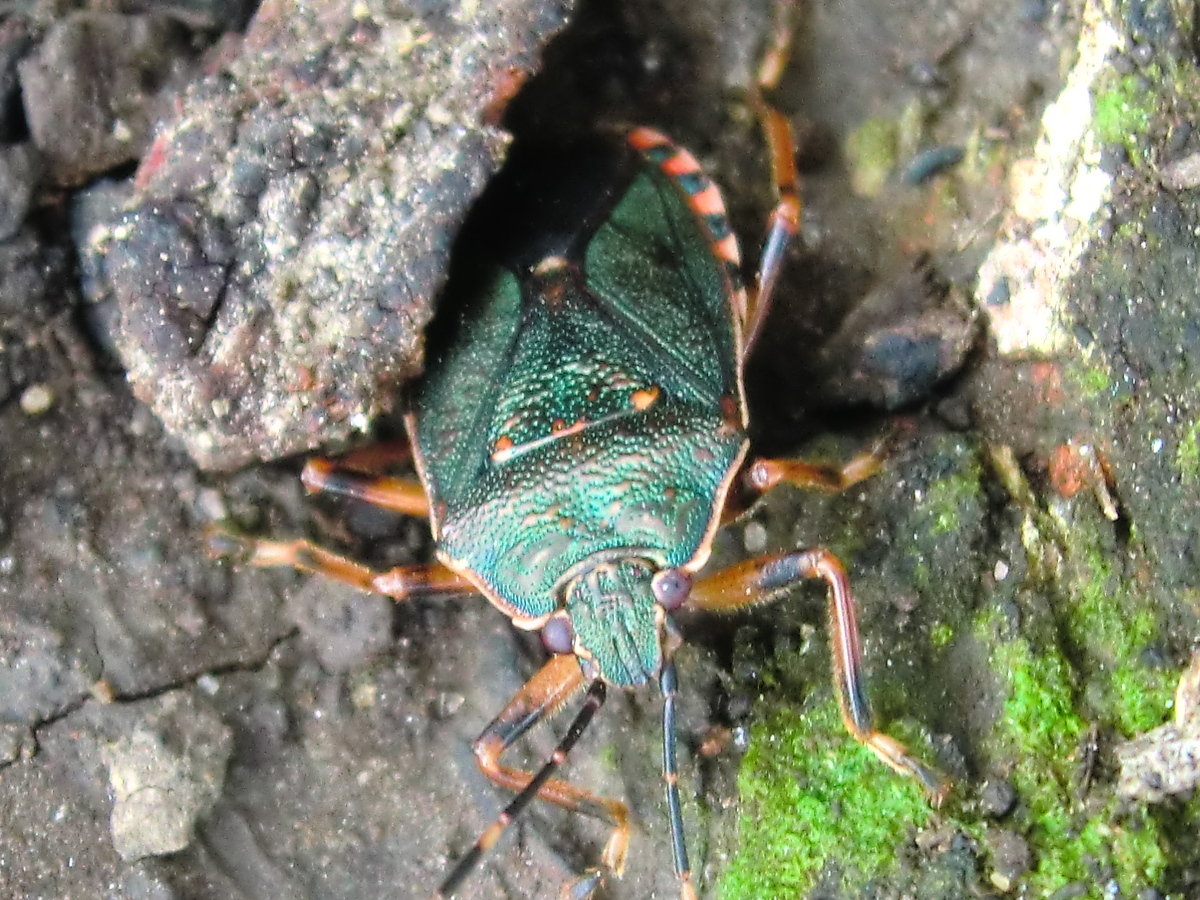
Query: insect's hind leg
[[760, 580], [400, 583], [360, 475], [541, 697]]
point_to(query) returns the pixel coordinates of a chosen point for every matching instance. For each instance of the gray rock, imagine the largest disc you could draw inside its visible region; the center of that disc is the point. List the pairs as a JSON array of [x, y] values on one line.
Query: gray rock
[[92, 90], [19, 171], [161, 762], [292, 225]]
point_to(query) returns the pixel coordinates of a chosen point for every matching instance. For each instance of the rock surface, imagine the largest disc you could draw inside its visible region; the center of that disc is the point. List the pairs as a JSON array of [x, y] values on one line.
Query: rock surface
[[292, 223]]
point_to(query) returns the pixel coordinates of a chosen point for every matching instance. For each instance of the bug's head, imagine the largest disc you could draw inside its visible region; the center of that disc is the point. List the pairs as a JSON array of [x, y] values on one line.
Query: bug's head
[[615, 619]]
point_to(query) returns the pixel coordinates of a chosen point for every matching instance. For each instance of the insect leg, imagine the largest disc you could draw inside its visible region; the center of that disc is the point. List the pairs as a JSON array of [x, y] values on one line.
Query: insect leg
[[760, 580], [781, 147], [540, 698], [763, 474], [400, 583], [669, 683], [357, 475], [375, 459], [760, 475]]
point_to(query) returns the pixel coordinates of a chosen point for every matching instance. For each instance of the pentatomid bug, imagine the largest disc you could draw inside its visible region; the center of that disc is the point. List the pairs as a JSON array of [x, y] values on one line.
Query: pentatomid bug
[[580, 435]]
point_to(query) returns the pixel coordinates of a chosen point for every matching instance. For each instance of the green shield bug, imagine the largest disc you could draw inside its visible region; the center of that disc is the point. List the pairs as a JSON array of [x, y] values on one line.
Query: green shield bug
[[580, 435]]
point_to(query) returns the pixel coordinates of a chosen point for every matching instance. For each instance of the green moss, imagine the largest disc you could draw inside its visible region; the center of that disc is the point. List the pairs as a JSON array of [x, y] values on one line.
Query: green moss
[[1187, 456], [1113, 626], [1143, 697], [871, 154], [1088, 383], [1122, 113], [941, 635], [1037, 735], [948, 495], [608, 757], [812, 796]]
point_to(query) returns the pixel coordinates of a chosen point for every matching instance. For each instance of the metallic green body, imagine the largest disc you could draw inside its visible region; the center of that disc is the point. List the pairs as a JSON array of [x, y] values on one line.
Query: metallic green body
[[584, 403]]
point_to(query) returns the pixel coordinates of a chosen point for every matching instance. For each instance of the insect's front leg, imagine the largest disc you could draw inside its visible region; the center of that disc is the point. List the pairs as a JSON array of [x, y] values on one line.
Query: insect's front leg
[[540, 698], [760, 580], [359, 475], [781, 147], [761, 475]]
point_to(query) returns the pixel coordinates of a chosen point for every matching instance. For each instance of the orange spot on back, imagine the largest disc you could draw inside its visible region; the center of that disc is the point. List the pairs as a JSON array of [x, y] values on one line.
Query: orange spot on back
[[643, 399], [501, 448]]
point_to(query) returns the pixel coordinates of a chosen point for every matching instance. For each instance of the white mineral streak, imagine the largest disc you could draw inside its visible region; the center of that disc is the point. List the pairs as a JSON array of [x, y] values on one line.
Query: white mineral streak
[[1055, 196]]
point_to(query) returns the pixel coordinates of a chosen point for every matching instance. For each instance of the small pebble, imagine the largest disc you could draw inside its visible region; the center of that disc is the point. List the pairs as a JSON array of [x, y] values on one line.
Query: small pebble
[[1070, 891], [754, 537], [211, 505], [1011, 858], [997, 798], [364, 695], [36, 400], [1181, 174]]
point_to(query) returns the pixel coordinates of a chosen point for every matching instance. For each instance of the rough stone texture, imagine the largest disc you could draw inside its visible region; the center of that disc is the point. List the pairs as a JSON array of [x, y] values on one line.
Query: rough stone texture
[[292, 224], [94, 88], [19, 168], [15, 39], [158, 763]]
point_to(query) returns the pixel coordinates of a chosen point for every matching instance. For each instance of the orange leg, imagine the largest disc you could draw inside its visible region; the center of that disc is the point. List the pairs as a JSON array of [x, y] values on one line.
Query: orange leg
[[785, 218], [400, 583], [760, 580], [376, 459], [540, 698], [359, 474], [763, 474]]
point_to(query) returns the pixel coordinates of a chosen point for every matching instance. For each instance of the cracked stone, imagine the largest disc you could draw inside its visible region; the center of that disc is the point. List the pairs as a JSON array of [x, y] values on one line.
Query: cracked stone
[[161, 761]]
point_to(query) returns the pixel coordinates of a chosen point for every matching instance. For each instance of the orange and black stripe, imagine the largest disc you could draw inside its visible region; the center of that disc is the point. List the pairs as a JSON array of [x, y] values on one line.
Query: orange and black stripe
[[702, 195]]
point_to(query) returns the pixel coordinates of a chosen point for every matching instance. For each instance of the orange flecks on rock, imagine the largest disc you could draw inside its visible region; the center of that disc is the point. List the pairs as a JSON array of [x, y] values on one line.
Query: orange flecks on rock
[[1047, 377], [505, 86], [1077, 465], [1068, 470]]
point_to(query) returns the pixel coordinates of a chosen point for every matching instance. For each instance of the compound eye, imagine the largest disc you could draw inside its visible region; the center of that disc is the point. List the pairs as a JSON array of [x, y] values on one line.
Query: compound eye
[[557, 635], [671, 587]]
